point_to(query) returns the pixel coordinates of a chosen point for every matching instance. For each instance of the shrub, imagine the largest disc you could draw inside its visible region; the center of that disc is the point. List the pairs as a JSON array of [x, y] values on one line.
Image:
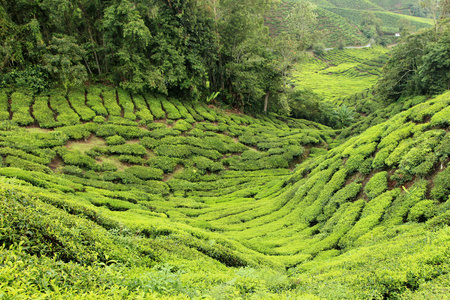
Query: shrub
[[182, 126], [193, 113], [41, 158], [203, 112], [74, 157], [212, 154], [441, 188], [122, 177], [173, 151], [94, 101], [158, 187], [108, 167], [66, 115], [376, 185], [162, 132], [165, 163], [146, 173], [422, 211], [143, 113], [127, 132], [110, 102], [380, 158], [99, 119], [154, 104], [128, 149], [23, 164], [370, 217], [43, 114], [73, 170], [354, 162], [171, 110], [20, 108], [78, 100], [115, 140], [127, 104], [204, 163], [366, 166], [80, 131], [4, 113]]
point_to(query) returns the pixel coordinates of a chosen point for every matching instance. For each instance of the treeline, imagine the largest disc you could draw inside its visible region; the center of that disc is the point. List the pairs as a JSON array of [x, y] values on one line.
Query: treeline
[[198, 49], [420, 64]]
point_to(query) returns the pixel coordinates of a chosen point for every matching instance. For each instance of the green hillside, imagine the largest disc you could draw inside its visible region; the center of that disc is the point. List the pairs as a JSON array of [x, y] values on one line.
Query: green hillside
[[340, 21], [340, 73], [110, 195]]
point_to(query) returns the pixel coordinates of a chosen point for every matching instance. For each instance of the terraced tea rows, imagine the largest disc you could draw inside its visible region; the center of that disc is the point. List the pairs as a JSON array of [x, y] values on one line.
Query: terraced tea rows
[[341, 73], [180, 192]]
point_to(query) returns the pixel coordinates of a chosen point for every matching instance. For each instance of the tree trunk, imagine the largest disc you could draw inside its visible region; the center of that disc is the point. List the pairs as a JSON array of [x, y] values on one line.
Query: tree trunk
[[266, 101]]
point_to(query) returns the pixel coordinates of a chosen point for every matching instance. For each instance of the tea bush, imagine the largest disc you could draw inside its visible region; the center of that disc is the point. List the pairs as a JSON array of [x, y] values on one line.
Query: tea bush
[[145, 173], [115, 140], [78, 101], [94, 100], [4, 112], [74, 157], [128, 149], [127, 104], [110, 102], [20, 108], [154, 103], [422, 211], [143, 113], [80, 131], [65, 114], [165, 163], [43, 114], [376, 185], [441, 188]]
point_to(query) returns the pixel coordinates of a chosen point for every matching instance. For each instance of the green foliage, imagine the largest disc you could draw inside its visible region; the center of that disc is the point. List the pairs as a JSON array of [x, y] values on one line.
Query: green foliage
[[146, 173], [422, 211], [441, 186], [165, 163], [376, 185], [66, 115], [43, 114], [154, 103], [127, 104], [94, 100], [127, 132], [143, 113], [115, 140], [74, 157], [20, 108], [78, 101], [128, 149], [80, 131]]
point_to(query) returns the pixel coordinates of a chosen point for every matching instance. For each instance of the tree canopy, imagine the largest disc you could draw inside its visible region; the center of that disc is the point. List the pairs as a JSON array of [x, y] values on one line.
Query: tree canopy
[[194, 48]]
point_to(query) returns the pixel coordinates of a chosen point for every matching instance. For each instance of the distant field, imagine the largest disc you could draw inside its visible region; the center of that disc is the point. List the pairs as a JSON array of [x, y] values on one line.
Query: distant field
[[341, 73]]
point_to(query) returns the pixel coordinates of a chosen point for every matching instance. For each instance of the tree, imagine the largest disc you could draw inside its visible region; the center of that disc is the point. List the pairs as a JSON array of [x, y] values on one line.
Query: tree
[[371, 25], [63, 61], [437, 10], [301, 23]]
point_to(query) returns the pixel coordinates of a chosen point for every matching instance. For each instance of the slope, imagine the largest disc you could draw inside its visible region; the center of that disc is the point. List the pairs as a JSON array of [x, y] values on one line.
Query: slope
[[140, 209], [340, 21]]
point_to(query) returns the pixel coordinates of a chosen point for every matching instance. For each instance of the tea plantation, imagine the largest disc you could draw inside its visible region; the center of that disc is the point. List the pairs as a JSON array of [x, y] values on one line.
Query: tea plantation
[[108, 195]]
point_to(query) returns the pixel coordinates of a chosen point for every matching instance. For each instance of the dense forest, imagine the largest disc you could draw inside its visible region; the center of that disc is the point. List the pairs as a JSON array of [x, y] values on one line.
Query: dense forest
[[222, 149], [195, 49]]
